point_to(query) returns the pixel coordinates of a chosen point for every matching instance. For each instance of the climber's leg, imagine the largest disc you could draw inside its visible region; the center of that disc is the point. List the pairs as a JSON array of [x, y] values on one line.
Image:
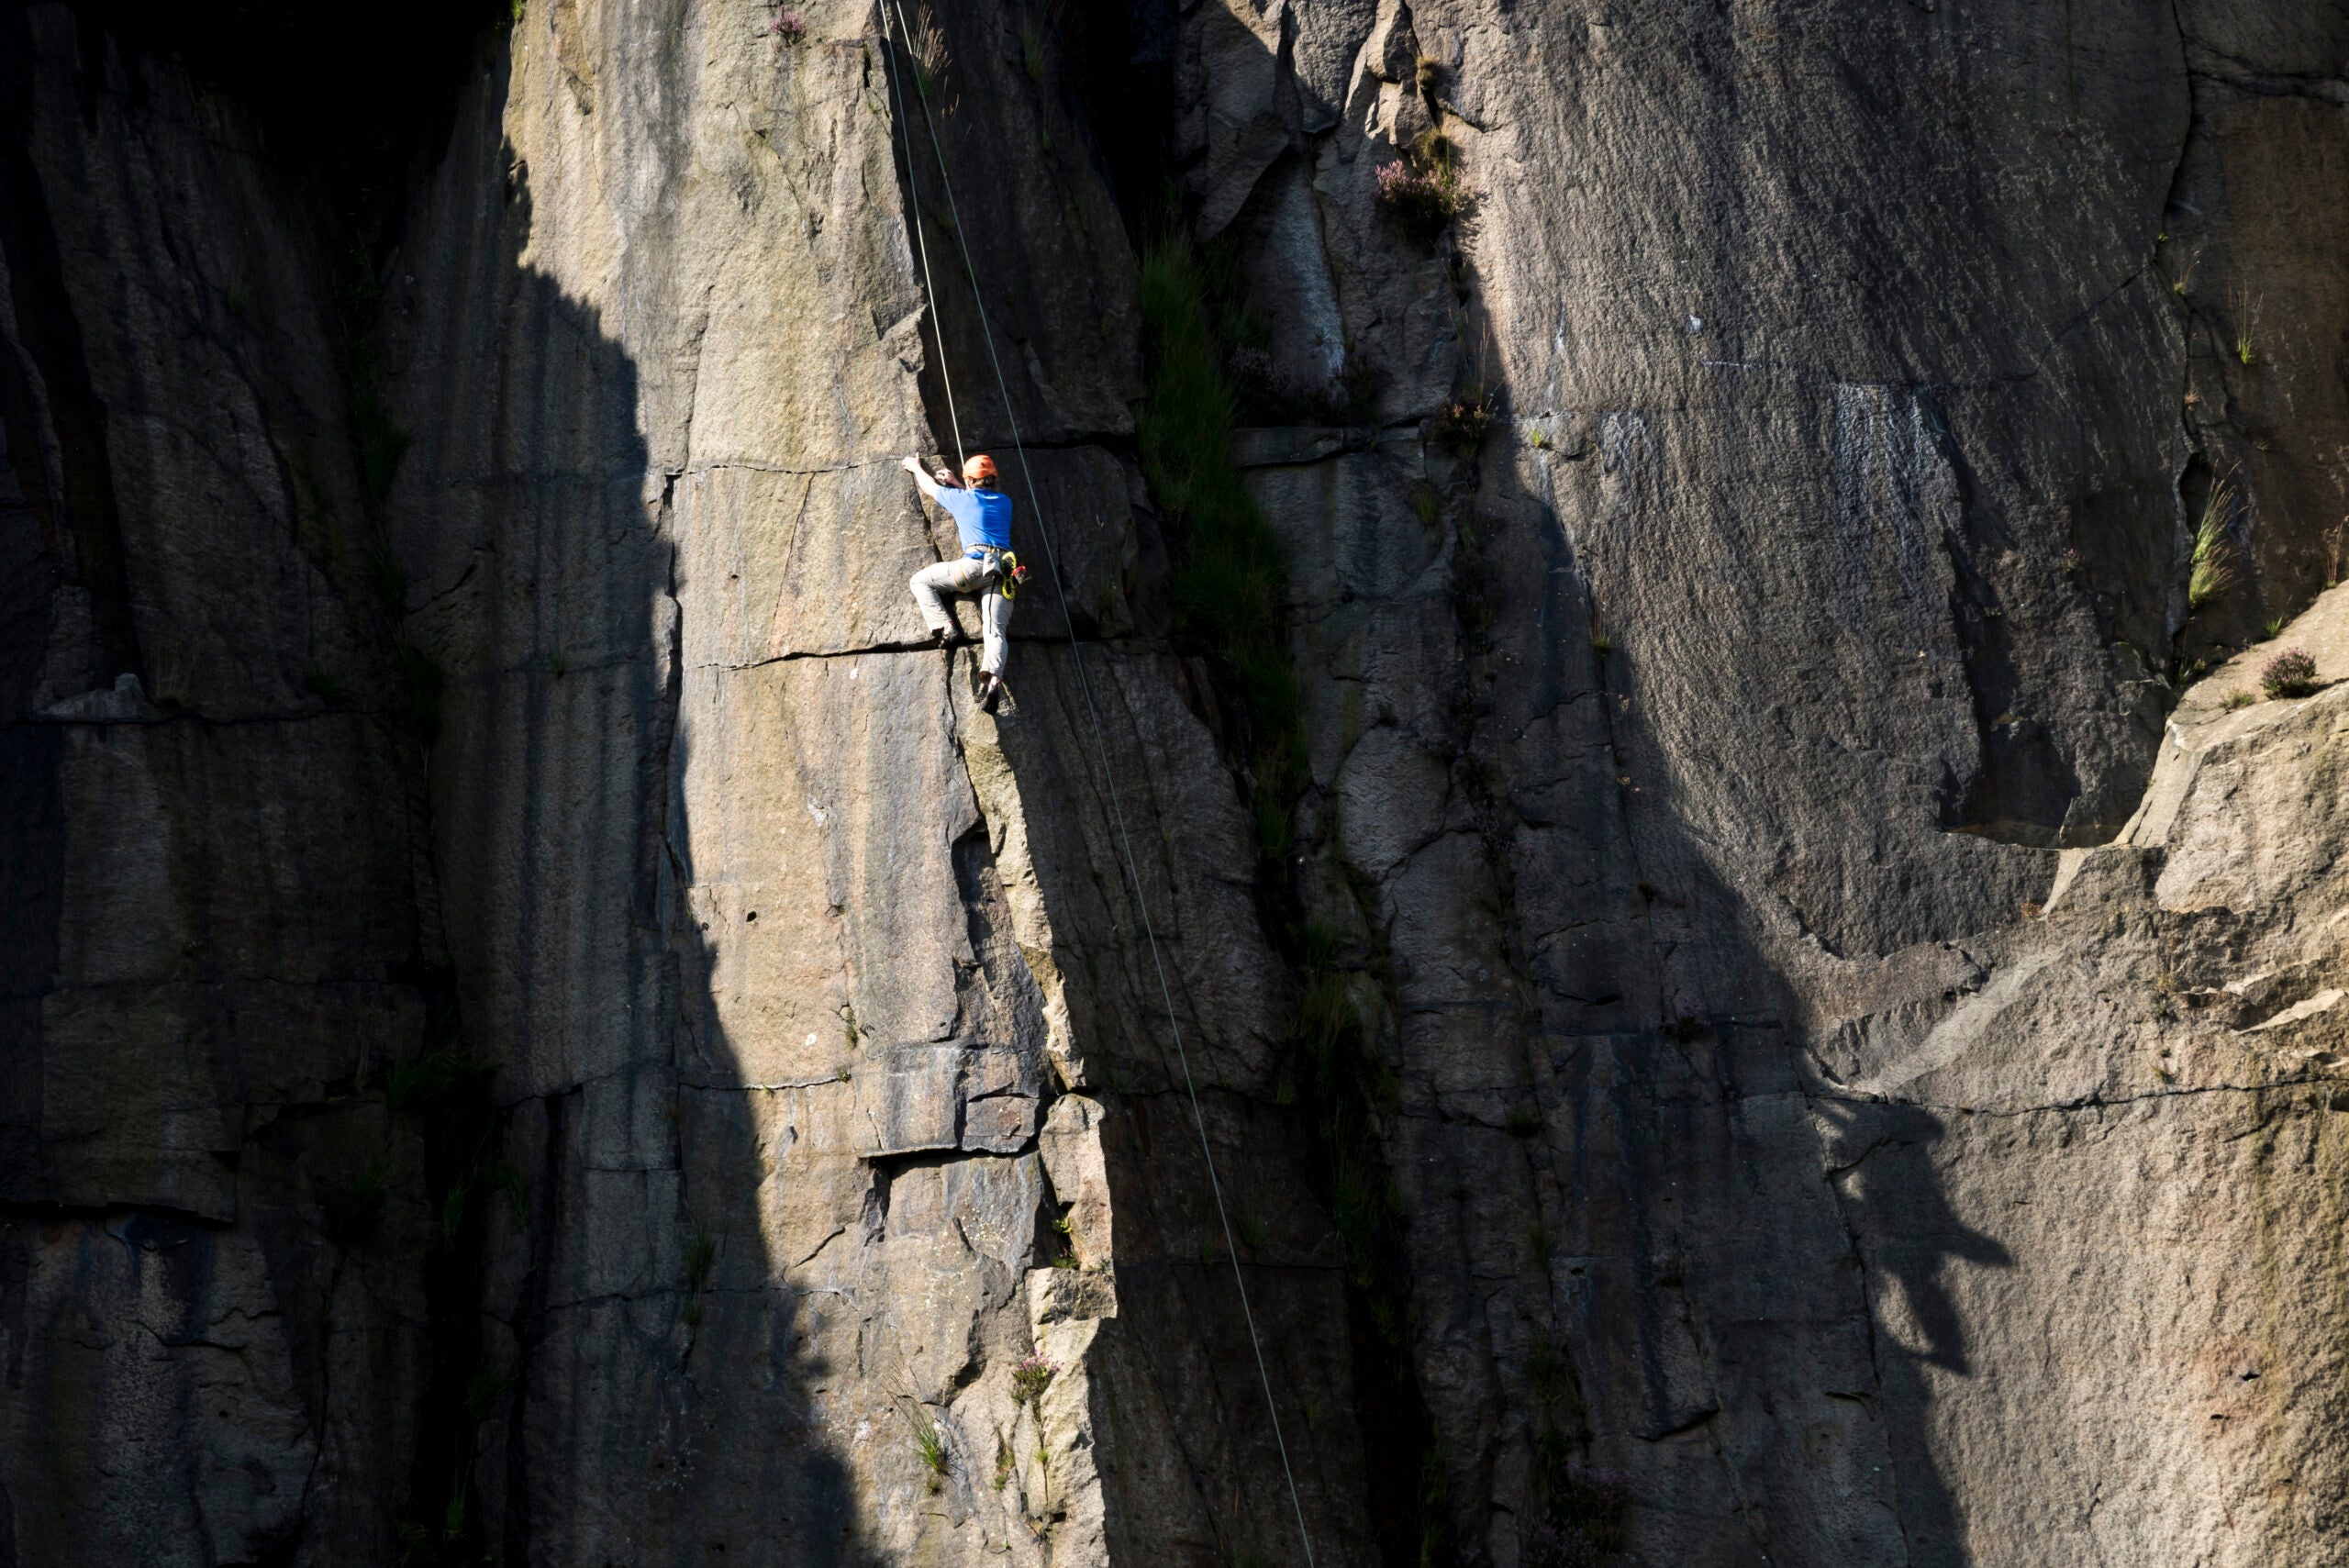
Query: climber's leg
[[995, 619], [926, 584], [929, 585]]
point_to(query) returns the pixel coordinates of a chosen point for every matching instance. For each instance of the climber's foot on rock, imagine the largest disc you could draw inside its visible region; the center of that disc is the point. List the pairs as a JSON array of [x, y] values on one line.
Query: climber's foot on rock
[[990, 692]]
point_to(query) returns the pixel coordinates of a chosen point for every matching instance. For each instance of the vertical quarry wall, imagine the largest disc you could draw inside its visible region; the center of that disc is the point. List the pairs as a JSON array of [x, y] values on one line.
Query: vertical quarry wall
[[1786, 1014]]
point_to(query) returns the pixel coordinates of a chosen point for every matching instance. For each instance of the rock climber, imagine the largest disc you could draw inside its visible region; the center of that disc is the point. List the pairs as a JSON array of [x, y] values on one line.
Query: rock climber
[[982, 516]]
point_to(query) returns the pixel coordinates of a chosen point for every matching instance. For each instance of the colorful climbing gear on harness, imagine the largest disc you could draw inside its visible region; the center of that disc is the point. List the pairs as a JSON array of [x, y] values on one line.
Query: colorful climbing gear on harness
[[1012, 575]]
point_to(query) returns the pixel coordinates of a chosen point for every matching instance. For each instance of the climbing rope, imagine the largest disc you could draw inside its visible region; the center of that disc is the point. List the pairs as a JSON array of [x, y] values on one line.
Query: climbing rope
[[1100, 737], [921, 243]]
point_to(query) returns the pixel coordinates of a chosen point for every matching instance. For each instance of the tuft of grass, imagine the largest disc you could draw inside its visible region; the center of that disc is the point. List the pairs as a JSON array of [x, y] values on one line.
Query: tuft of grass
[[482, 1391], [2269, 630], [557, 662], [2211, 566], [453, 1209], [701, 1254], [1228, 581], [929, 1443], [508, 1179], [1581, 1520], [1427, 74], [2292, 673], [1427, 502], [1536, 437], [1031, 55], [2239, 699], [1275, 834], [354, 1205], [927, 48], [2246, 324]]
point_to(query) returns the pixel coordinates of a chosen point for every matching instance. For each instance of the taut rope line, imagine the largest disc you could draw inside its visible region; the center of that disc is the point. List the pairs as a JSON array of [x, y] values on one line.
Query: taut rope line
[[1100, 737], [921, 243]]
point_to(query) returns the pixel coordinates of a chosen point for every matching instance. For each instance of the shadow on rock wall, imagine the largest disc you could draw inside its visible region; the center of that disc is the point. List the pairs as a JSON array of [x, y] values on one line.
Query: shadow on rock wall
[[209, 893], [1743, 1336], [646, 1371], [1910, 1241]]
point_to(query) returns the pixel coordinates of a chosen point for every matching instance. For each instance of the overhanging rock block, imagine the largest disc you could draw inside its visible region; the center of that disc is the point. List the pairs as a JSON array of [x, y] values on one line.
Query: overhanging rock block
[[948, 1095]]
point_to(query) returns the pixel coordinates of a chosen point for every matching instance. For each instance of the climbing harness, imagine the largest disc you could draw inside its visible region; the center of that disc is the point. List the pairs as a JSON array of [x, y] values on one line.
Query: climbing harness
[[1085, 684], [1001, 565]]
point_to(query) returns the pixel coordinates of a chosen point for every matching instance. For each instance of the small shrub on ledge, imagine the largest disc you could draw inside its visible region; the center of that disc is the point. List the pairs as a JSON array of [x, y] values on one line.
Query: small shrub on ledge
[[1423, 194], [1030, 1378], [789, 28], [1458, 428], [2292, 673]]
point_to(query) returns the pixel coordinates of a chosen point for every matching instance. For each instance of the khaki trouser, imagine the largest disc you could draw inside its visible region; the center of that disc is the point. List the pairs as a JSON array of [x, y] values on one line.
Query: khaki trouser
[[964, 575]]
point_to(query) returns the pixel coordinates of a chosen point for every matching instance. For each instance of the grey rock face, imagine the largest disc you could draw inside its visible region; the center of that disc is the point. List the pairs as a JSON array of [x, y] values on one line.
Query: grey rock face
[[1710, 743], [538, 1022]]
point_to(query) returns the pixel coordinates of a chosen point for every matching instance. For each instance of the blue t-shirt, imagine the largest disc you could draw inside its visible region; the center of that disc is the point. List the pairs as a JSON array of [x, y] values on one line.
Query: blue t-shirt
[[982, 516]]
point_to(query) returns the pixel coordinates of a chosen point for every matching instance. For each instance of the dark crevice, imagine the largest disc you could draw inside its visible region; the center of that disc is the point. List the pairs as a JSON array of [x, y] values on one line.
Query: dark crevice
[[83, 510], [1119, 74]]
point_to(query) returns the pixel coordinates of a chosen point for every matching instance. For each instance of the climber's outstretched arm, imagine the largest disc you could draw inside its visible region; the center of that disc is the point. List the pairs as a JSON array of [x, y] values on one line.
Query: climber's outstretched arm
[[912, 465]]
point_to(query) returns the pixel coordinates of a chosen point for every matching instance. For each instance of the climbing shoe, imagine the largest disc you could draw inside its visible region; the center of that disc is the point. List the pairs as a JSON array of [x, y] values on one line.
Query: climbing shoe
[[990, 692], [946, 637]]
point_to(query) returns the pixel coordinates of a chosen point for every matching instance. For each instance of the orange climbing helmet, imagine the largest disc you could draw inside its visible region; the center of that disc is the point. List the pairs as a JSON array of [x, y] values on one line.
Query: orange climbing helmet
[[980, 469]]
